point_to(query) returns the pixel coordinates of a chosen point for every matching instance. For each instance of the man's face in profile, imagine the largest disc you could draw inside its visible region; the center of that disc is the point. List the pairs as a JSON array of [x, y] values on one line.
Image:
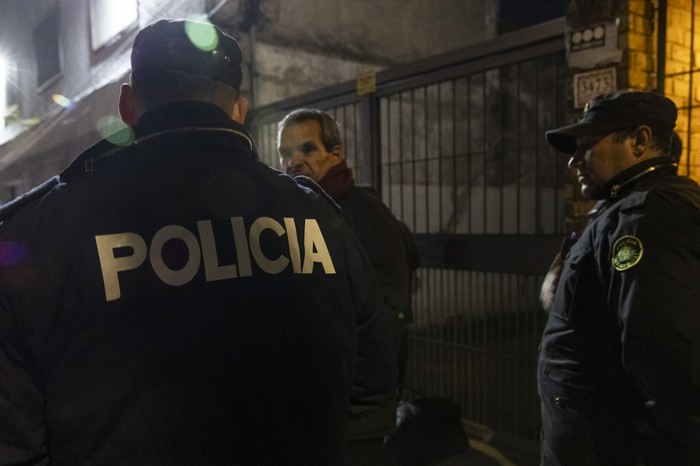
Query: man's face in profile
[[302, 151]]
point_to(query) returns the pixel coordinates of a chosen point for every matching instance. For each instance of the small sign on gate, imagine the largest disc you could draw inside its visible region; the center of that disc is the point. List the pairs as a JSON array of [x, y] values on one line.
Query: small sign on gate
[[366, 83], [593, 83]]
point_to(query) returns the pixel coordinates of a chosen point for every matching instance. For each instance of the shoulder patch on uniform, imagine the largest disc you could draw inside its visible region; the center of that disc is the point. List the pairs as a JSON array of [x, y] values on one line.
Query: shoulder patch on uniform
[[627, 252]]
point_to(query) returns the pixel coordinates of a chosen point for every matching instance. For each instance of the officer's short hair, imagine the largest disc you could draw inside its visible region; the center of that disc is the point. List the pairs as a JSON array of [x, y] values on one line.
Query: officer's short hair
[[330, 130], [176, 85], [657, 142], [676, 148]]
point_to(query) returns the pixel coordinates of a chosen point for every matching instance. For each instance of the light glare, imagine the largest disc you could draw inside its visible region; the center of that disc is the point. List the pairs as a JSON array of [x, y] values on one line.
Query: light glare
[[3, 93], [63, 101], [115, 131], [202, 34]]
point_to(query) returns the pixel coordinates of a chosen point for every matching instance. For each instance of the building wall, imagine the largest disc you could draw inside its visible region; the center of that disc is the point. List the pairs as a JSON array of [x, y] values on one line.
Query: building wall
[[390, 32], [290, 51], [682, 83], [43, 136], [290, 47]]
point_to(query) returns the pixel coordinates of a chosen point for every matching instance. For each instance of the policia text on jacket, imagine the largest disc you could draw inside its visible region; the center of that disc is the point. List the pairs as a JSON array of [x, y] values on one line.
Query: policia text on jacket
[[247, 244]]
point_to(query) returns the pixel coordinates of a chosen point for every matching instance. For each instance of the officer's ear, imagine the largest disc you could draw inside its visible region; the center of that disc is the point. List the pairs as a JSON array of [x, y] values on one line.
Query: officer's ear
[[642, 140], [240, 110], [128, 109]]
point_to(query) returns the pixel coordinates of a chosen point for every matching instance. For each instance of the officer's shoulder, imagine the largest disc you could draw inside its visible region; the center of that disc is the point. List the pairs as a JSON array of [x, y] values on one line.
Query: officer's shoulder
[[12, 207], [677, 190], [312, 186]]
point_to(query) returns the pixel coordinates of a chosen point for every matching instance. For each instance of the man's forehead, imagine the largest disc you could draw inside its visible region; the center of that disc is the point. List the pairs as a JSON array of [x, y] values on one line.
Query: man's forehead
[[307, 129]]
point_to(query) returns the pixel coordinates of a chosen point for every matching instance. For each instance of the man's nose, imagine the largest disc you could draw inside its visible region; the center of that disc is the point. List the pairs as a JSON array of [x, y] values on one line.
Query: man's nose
[[576, 159], [291, 162], [295, 160]]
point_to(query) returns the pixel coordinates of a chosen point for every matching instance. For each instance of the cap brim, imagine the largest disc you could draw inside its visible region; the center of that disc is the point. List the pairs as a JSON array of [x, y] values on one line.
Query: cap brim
[[564, 139]]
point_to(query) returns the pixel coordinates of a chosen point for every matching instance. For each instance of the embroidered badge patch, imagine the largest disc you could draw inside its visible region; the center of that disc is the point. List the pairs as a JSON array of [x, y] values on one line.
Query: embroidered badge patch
[[627, 252]]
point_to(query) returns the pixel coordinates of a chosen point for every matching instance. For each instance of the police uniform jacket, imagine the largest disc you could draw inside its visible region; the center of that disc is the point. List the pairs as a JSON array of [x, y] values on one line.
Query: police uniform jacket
[[175, 301], [619, 363]]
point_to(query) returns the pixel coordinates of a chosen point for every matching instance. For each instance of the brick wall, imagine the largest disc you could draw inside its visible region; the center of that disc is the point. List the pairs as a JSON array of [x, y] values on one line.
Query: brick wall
[[680, 58], [638, 40]]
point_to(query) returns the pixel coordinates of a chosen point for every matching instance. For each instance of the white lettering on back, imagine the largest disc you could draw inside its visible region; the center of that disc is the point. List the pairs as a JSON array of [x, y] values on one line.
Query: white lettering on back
[[203, 249]]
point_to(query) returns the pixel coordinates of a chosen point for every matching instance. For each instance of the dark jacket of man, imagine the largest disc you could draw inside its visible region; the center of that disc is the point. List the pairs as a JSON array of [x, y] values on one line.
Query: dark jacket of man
[[619, 364], [178, 302], [379, 234]]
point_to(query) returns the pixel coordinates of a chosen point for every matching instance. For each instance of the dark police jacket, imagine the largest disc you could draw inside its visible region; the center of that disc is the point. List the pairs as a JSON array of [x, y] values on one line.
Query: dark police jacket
[[177, 302], [619, 363]]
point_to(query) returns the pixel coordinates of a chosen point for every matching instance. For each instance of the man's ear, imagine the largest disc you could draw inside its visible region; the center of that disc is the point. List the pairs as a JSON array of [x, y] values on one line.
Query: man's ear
[[240, 110], [642, 140], [338, 152], [128, 109]]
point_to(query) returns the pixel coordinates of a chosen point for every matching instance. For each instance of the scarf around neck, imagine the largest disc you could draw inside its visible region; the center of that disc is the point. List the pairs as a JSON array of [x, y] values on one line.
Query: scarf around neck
[[338, 180]]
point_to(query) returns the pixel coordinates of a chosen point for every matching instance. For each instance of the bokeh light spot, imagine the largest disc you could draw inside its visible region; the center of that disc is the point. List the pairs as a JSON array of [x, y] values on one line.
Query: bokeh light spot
[[202, 34], [12, 253], [63, 101], [115, 131]]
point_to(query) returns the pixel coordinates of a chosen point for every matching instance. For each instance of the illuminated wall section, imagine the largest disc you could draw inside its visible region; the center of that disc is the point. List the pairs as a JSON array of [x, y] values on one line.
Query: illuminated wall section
[[3, 94], [682, 82]]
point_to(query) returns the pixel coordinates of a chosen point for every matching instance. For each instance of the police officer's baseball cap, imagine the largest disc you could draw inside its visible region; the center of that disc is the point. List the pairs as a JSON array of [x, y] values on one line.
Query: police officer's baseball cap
[[622, 110], [187, 45]]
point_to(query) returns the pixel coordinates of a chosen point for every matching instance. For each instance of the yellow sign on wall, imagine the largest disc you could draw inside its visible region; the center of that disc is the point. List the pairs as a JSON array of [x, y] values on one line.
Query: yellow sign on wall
[[367, 83]]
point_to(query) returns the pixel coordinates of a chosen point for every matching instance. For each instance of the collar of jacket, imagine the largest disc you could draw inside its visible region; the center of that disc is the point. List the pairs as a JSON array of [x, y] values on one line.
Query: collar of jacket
[[184, 114], [624, 181], [168, 122], [338, 180]]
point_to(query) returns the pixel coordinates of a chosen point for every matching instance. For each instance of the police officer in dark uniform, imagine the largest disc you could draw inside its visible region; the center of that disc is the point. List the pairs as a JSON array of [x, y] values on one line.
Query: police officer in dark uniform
[[619, 362], [172, 300]]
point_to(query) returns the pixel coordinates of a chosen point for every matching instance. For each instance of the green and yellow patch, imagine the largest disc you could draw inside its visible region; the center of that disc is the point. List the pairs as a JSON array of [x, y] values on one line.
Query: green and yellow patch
[[626, 252]]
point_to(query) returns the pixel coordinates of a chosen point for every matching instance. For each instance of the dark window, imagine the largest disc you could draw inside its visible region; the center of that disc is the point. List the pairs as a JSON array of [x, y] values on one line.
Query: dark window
[[519, 14], [47, 49]]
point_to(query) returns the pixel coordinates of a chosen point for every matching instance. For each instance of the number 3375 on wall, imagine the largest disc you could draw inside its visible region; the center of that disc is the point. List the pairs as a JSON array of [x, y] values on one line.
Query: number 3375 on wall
[[593, 83]]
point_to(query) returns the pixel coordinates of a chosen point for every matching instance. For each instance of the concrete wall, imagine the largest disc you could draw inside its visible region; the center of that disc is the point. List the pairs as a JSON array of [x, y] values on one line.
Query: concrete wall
[[297, 46], [388, 31]]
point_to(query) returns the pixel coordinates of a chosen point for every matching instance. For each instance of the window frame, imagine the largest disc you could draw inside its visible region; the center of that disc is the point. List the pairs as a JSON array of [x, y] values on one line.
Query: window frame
[[98, 39], [41, 41]]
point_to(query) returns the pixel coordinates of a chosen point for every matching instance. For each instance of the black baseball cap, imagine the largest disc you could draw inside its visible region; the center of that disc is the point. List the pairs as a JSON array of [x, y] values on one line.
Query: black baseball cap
[[187, 45], [622, 110]]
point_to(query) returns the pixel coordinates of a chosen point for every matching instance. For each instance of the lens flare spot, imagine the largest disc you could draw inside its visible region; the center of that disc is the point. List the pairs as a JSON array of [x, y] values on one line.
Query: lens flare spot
[[12, 253], [115, 131], [202, 34], [63, 101]]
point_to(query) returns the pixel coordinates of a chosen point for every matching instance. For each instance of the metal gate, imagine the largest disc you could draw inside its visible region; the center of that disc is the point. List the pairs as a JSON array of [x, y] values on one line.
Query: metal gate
[[455, 146]]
